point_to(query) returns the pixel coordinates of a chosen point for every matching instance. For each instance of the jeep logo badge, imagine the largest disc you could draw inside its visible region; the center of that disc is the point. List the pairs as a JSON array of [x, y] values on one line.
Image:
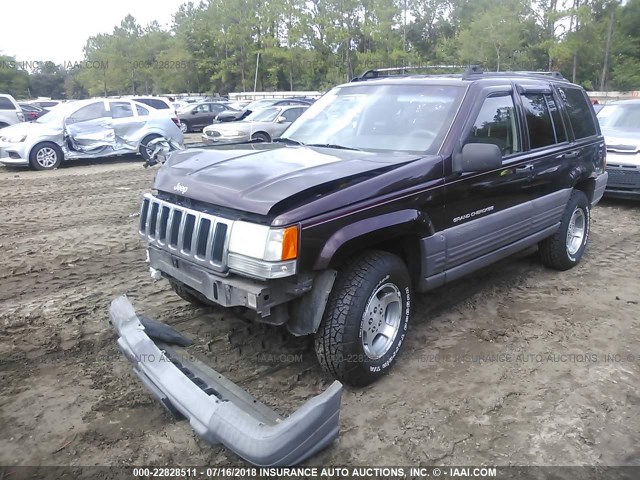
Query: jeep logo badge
[[180, 188]]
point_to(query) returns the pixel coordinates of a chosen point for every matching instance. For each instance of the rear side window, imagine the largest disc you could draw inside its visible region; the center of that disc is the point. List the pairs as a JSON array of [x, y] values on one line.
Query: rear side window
[[496, 124], [6, 104], [159, 104], [579, 112], [142, 111], [538, 120], [561, 132]]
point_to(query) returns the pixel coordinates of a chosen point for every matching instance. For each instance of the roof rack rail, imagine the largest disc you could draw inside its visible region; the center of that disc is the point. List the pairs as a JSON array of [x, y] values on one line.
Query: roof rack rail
[[375, 73], [556, 75], [471, 71]]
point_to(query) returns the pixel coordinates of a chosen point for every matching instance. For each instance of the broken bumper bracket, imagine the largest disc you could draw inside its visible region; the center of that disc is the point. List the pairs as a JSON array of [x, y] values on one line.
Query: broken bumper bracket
[[217, 409]]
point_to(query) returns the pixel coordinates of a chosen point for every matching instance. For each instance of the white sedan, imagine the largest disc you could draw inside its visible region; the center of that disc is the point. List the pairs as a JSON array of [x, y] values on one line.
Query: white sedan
[[86, 129], [263, 125]]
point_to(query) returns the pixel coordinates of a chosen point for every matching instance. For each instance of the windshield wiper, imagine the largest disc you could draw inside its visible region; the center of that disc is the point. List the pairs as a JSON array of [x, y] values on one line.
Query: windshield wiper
[[332, 145], [288, 141]]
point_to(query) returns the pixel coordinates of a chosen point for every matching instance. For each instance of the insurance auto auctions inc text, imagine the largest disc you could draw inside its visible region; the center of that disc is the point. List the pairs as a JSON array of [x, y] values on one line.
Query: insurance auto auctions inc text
[[358, 472]]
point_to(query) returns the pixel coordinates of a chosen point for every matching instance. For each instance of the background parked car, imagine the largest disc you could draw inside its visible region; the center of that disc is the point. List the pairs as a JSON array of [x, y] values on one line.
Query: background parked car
[[86, 129], [234, 116], [265, 125], [10, 111], [199, 115], [159, 103], [31, 112], [620, 123], [45, 103]]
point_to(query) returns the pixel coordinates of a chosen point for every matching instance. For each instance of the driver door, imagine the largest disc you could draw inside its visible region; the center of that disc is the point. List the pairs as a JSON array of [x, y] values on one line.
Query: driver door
[[485, 211], [89, 128]]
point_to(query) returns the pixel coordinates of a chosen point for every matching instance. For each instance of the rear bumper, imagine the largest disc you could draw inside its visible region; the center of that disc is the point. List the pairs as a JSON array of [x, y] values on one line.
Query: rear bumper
[[218, 410]]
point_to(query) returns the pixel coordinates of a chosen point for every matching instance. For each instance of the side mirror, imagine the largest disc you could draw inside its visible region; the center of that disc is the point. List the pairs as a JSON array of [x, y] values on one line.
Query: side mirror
[[194, 111], [281, 119], [478, 157]]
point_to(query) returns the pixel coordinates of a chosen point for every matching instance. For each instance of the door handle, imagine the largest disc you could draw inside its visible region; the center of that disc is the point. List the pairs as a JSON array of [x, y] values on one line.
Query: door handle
[[572, 155], [524, 169]]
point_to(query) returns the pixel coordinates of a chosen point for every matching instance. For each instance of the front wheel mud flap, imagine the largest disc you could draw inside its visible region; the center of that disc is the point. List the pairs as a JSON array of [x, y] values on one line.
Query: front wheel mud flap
[[217, 409]]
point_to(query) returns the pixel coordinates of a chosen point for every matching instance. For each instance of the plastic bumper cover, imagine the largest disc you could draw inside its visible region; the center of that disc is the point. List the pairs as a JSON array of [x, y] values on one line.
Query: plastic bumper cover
[[218, 410], [13, 154]]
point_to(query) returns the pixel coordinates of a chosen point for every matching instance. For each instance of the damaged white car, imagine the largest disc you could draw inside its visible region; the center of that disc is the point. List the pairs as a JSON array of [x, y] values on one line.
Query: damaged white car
[[86, 129]]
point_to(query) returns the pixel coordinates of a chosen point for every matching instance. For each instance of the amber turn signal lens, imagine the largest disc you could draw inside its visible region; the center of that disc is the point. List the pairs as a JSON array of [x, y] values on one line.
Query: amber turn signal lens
[[290, 243]]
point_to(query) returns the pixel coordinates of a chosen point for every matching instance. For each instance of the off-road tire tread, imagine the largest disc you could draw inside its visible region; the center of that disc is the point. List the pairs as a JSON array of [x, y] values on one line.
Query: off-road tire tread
[[329, 344], [553, 250]]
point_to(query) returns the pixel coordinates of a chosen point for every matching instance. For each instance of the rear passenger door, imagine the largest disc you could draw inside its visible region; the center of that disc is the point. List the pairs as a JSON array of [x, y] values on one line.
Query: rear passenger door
[[548, 154], [488, 210]]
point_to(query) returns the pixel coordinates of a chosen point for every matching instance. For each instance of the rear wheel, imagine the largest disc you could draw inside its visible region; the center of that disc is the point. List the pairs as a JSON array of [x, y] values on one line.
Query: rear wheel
[[565, 248], [261, 136], [45, 156], [144, 151], [366, 319]]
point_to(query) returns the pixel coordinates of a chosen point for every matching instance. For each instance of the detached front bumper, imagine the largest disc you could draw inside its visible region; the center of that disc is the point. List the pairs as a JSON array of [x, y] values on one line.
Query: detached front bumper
[[218, 410]]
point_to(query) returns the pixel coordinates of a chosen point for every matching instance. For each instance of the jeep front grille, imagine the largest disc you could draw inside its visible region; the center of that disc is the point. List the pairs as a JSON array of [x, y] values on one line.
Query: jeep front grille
[[190, 234]]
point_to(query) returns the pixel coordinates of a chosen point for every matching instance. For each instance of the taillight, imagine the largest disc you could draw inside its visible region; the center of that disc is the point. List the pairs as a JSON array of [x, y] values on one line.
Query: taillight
[[176, 121]]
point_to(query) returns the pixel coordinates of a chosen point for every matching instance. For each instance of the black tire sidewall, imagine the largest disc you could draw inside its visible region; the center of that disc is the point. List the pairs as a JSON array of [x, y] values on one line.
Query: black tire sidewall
[[186, 124], [262, 136], [578, 201], [143, 149], [359, 366], [34, 152]]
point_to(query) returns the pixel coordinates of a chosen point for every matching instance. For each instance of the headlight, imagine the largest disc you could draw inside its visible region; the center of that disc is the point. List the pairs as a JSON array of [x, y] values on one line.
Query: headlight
[[263, 251], [14, 139]]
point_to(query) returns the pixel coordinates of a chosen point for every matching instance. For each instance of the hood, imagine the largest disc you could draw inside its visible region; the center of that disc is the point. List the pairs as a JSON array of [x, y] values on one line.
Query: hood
[[258, 178], [621, 139], [31, 128]]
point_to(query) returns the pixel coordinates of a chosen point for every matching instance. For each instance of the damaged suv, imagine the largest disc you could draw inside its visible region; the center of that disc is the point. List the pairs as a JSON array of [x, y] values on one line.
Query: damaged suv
[[86, 129], [386, 186], [383, 187]]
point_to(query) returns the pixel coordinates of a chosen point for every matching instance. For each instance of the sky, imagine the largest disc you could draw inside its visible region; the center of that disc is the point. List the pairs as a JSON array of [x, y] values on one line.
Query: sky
[[57, 30]]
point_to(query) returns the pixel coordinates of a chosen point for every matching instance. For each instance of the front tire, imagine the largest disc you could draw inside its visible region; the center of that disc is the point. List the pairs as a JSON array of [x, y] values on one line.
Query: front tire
[[184, 127], [564, 249], [262, 137], [45, 156], [366, 319]]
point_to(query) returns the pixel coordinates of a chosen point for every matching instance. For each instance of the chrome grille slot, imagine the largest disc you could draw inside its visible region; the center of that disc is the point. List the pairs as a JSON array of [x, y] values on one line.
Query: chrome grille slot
[[190, 234]]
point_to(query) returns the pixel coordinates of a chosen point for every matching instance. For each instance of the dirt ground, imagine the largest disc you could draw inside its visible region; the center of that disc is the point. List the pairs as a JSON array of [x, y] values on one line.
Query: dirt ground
[[515, 365]]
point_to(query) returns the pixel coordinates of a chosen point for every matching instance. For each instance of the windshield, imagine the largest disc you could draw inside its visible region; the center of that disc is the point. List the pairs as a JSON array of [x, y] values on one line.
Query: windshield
[[624, 117], [401, 118], [57, 113], [265, 102], [265, 115]]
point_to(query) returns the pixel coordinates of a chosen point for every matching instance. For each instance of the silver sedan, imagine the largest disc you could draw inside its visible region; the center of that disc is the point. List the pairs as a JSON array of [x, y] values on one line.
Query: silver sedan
[[86, 129], [261, 125]]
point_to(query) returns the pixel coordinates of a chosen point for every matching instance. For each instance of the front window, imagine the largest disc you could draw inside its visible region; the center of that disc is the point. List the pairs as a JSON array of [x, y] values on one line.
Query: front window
[[399, 118], [623, 117], [266, 115]]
